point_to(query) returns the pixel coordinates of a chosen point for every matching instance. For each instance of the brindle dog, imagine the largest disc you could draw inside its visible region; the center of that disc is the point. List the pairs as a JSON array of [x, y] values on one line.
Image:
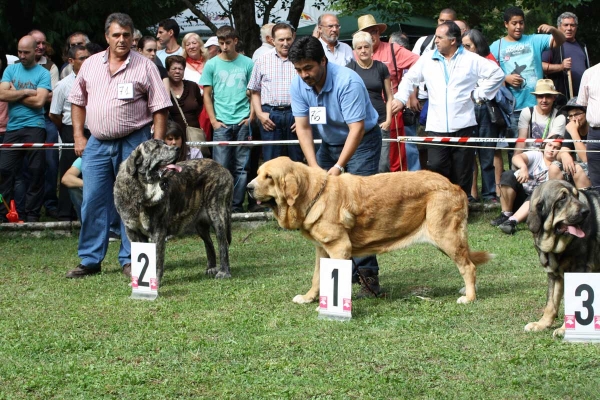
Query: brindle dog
[[156, 199], [565, 224]]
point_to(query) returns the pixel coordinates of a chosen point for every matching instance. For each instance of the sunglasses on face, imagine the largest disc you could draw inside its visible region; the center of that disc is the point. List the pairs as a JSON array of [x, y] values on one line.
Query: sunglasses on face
[[571, 116]]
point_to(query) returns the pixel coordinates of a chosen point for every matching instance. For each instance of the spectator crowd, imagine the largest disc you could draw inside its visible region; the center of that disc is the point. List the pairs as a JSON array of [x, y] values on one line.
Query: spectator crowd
[[105, 101]]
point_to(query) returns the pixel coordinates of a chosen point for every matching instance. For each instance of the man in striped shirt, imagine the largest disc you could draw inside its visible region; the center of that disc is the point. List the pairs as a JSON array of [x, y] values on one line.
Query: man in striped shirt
[[121, 94], [270, 87]]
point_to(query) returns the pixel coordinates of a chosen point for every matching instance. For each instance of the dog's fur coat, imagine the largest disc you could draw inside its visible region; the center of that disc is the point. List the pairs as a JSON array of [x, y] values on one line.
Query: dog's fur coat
[[565, 223], [349, 215], [156, 199]]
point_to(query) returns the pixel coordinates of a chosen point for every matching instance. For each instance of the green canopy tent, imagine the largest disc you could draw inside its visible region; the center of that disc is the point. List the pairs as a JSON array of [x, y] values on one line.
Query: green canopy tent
[[413, 27]]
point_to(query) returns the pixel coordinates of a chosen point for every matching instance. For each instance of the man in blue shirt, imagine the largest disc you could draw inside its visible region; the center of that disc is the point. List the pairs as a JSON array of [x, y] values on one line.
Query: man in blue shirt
[[332, 102], [26, 87]]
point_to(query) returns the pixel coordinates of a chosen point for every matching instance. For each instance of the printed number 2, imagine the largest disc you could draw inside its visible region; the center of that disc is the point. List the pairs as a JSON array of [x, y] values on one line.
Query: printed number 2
[[334, 276], [141, 282], [587, 304]]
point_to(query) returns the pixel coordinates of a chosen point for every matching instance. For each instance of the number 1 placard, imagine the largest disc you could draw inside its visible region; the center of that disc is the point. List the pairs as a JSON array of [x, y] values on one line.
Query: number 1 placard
[[335, 296], [144, 284], [582, 307]]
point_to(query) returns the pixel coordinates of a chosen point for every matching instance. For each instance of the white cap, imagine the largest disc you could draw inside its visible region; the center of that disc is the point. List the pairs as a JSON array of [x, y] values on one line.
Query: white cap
[[212, 41]]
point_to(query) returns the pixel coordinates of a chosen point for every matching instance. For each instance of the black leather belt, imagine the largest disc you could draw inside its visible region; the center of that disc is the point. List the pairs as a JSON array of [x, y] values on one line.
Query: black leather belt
[[281, 108]]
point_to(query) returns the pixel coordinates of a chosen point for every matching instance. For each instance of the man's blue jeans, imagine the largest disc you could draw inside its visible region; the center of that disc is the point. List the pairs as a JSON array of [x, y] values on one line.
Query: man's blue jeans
[[51, 178], [412, 152], [283, 120], [485, 129], [364, 162], [99, 167], [234, 158]]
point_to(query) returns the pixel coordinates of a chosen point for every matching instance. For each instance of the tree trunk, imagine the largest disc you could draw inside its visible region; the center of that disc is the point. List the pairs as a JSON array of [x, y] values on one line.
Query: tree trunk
[[244, 17], [296, 8]]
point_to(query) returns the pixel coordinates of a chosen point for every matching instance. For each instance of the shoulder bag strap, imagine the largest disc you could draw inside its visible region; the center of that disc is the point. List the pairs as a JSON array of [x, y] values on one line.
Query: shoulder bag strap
[[180, 111]]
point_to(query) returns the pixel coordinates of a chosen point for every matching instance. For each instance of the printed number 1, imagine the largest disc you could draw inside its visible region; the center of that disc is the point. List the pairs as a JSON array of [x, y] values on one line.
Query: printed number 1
[[587, 304], [141, 282], [334, 276]]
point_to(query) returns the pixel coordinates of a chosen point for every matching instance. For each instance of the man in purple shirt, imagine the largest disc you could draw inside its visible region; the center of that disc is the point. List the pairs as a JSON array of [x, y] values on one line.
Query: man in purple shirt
[[571, 57]]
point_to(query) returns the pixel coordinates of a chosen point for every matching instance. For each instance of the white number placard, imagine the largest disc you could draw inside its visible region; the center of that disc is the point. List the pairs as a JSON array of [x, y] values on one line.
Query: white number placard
[[582, 307], [144, 284], [318, 115], [335, 296]]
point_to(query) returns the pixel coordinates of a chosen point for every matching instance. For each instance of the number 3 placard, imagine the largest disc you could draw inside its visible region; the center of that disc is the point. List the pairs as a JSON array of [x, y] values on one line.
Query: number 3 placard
[[144, 284], [335, 297], [582, 307]]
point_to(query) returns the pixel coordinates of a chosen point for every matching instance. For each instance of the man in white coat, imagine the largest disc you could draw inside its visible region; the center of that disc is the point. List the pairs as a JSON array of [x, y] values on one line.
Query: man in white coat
[[455, 79]]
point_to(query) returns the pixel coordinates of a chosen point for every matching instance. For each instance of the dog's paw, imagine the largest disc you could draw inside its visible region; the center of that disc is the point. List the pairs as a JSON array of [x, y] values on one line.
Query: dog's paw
[[301, 299], [463, 290], [222, 275], [559, 333], [535, 327], [464, 300]]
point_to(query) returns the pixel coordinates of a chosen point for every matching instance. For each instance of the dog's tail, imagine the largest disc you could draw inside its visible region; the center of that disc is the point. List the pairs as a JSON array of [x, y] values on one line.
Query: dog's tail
[[480, 257]]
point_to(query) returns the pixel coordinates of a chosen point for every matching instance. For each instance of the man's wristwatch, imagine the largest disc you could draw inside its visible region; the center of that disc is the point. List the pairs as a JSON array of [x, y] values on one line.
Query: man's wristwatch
[[338, 166]]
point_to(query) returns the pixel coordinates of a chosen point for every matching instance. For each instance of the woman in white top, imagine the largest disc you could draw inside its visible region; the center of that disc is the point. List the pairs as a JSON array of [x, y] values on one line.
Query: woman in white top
[[195, 57]]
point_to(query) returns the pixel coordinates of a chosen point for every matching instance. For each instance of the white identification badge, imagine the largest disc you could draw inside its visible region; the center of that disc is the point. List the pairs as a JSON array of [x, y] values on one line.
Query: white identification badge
[[144, 284], [335, 292], [582, 307], [125, 91], [318, 115]]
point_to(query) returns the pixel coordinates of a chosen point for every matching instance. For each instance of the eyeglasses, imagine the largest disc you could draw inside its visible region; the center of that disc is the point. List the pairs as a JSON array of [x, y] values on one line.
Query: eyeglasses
[[571, 116], [335, 26]]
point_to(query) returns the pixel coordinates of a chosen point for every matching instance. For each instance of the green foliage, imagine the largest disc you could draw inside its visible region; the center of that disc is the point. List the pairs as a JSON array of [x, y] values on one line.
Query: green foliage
[[243, 338], [486, 15], [59, 18]]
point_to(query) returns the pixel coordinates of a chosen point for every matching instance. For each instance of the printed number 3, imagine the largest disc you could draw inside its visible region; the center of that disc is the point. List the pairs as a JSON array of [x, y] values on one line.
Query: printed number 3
[[587, 304], [141, 282]]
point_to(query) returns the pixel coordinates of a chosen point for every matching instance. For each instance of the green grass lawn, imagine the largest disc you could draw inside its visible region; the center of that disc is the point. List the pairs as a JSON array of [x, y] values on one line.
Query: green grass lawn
[[243, 338]]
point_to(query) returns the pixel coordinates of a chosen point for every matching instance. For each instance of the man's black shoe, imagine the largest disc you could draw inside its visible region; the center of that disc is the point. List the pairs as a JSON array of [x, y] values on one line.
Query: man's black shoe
[[82, 271]]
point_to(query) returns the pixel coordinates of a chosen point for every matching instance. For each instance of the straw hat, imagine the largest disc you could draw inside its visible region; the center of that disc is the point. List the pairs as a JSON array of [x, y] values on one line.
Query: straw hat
[[367, 21], [545, 86]]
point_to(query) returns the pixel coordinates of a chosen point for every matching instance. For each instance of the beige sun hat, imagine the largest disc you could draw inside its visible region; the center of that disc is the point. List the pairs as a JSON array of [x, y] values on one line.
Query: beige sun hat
[[367, 21], [545, 86]]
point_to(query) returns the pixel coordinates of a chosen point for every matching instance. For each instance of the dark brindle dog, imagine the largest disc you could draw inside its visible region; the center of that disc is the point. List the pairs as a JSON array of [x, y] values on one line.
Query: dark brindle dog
[[156, 199], [565, 224]]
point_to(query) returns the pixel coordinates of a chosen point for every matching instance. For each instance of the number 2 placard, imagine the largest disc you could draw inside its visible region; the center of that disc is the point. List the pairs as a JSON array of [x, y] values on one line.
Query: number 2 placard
[[582, 307], [144, 284], [335, 297]]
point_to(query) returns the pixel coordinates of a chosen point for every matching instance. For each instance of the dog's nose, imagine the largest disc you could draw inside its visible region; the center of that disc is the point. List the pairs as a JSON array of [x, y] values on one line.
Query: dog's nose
[[585, 211]]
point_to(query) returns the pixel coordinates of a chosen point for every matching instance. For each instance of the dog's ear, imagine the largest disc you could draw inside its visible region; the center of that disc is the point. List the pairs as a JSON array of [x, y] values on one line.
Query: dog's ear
[[133, 162], [536, 211], [290, 188]]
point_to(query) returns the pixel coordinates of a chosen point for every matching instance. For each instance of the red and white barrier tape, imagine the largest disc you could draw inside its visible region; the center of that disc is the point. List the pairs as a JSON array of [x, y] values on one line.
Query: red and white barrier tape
[[416, 139]]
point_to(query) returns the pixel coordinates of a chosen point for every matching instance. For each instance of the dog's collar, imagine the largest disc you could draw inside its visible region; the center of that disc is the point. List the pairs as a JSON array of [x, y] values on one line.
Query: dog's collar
[[312, 203]]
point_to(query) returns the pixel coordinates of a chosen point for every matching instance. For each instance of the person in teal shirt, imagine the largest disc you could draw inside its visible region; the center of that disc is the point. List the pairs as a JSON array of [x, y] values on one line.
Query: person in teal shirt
[[520, 57], [226, 100]]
